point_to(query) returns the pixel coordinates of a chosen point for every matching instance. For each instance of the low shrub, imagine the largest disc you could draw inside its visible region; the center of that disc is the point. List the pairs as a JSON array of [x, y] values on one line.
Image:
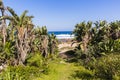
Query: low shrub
[[107, 67], [83, 73], [20, 73], [38, 61], [35, 60], [117, 45]]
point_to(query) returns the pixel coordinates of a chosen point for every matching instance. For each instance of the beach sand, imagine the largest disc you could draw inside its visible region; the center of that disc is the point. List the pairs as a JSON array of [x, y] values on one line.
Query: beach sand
[[64, 46]]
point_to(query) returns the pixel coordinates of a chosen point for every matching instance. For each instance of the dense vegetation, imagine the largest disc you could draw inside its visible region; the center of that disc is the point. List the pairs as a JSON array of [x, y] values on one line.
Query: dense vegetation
[[28, 52], [97, 39], [99, 48], [24, 48]]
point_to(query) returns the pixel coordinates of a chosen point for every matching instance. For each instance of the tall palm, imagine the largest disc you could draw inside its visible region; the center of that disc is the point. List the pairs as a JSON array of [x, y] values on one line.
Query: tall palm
[[52, 43], [115, 30], [3, 23], [21, 25], [99, 31], [41, 40], [82, 34]]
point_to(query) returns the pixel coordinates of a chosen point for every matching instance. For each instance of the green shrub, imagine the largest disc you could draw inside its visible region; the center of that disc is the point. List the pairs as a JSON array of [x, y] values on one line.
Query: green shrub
[[20, 73], [107, 67], [83, 73], [35, 60], [117, 45]]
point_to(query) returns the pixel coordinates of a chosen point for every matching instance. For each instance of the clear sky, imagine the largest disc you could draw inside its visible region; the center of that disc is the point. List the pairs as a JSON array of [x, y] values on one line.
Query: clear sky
[[59, 15]]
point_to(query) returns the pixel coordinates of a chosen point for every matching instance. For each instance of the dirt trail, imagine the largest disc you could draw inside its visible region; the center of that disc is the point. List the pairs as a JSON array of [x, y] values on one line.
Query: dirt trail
[[62, 70], [65, 48]]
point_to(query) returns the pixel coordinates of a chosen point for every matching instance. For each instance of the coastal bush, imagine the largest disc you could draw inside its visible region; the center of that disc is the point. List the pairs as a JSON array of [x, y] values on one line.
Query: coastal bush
[[108, 67], [117, 45], [96, 41], [35, 59], [90, 55], [83, 73], [20, 73]]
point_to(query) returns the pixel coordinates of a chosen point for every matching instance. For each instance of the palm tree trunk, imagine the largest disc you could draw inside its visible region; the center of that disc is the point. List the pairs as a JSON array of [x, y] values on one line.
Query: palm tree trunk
[[22, 46], [4, 35], [3, 26], [45, 45]]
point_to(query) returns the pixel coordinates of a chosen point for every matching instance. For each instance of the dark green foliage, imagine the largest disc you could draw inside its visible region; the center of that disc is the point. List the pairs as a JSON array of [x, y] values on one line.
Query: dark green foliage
[[81, 30], [98, 51], [97, 40], [108, 67]]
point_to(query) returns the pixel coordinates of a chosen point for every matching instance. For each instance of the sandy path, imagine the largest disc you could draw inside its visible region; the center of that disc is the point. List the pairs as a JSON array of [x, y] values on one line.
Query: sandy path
[[65, 48]]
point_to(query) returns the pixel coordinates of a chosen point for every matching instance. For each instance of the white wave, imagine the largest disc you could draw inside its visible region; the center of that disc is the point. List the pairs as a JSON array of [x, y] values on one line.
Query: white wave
[[64, 36]]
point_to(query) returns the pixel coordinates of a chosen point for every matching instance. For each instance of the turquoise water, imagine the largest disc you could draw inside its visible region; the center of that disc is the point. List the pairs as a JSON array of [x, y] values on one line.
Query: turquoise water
[[62, 34]]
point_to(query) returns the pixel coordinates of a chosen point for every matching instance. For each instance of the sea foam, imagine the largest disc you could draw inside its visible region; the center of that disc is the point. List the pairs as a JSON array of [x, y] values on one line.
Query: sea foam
[[62, 34], [65, 36]]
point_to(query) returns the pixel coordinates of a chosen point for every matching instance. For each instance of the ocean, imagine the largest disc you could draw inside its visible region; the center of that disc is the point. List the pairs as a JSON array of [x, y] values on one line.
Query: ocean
[[62, 34]]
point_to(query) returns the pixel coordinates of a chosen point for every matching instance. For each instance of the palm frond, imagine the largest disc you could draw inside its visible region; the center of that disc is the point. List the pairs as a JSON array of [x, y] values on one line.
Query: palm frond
[[6, 17], [16, 17], [1, 4], [22, 17]]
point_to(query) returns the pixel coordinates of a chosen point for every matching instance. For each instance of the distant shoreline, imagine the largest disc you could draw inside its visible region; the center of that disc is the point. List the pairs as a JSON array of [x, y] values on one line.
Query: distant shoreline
[[65, 36], [62, 34]]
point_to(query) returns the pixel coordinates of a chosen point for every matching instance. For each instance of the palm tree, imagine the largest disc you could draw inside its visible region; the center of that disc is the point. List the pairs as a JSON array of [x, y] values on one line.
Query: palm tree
[[22, 26], [82, 34], [99, 31], [3, 23], [52, 43], [115, 30], [41, 40]]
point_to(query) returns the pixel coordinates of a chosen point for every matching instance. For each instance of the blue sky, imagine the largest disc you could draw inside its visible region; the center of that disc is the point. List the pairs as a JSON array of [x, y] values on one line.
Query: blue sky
[[63, 15]]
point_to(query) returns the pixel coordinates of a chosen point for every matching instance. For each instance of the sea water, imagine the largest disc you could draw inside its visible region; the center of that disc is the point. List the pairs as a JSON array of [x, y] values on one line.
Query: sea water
[[62, 34]]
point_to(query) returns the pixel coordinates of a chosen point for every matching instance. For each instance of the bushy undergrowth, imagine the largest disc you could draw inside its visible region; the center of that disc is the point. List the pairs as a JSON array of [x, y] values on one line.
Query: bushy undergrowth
[[35, 66], [20, 73], [35, 60], [97, 48], [83, 73], [107, 67]]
